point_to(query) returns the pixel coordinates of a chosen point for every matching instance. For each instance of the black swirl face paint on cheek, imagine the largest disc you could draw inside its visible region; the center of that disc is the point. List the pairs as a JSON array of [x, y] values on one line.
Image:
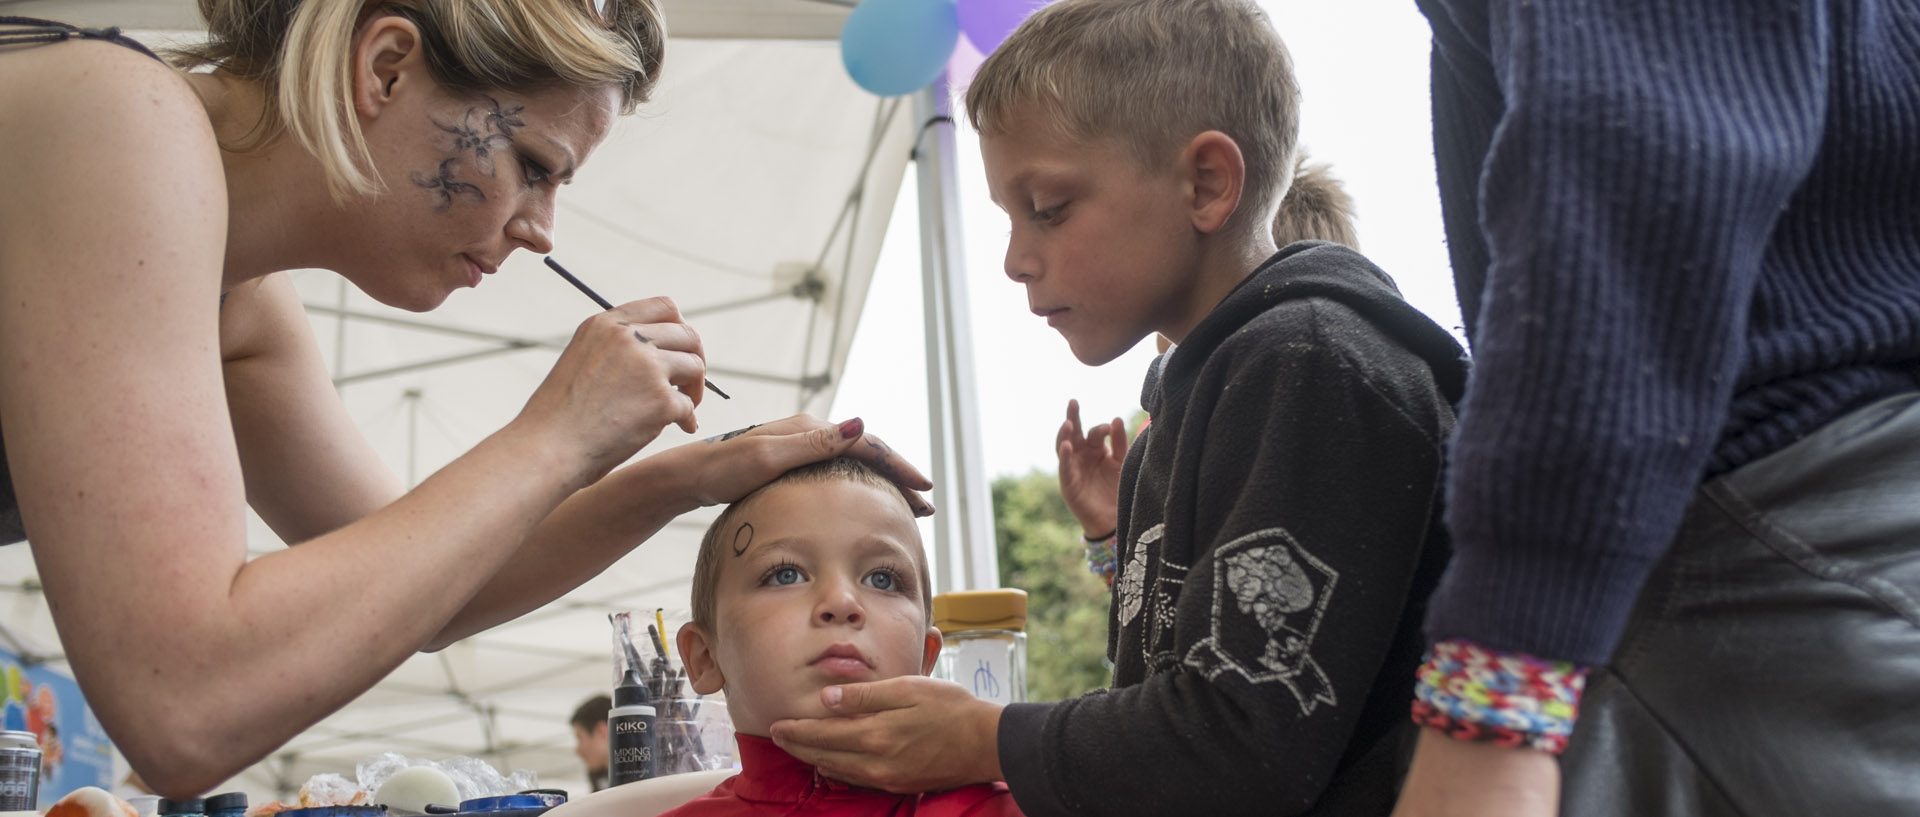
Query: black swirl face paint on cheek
[[742, 539], [502, 119], [493, 131], [443, 183]]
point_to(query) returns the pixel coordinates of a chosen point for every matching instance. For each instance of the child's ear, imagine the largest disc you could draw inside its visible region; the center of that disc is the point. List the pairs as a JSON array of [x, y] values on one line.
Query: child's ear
[[1215, 173], [696, 652], [932, 648]]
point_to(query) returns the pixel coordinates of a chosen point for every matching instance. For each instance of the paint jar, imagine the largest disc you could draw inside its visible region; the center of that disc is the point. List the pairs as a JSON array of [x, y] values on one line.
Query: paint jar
[[191, 807], [19, 771], [229, 804], [985, 647]]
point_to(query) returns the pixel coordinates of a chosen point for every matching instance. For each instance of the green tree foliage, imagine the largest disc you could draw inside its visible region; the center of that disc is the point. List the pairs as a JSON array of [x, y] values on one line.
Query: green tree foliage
[[1038, 544]]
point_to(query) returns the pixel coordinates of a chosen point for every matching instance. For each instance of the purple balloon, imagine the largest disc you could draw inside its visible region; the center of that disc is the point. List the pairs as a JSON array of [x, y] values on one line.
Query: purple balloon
[[988, 22]]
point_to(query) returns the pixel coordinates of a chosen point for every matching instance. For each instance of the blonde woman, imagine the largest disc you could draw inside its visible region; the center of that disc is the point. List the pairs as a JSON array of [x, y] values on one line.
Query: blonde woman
[[157, 373]]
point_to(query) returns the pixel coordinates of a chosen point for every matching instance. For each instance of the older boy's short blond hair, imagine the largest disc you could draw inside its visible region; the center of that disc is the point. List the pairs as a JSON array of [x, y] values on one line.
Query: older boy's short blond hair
[[1152, 74], [706, 566]]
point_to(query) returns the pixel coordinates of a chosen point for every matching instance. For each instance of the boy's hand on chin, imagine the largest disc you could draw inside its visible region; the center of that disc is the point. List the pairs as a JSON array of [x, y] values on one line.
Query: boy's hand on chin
[[903, 735]]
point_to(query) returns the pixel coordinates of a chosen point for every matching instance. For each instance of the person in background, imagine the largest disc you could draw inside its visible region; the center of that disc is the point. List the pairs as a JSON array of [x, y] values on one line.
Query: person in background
[[1685, 237], [589, 723], [819, 578], [1279, 525], [1316, 207], [158, 376]]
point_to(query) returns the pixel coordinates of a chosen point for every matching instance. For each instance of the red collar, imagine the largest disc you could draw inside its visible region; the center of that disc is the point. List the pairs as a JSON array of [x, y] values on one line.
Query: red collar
[[769, 775]]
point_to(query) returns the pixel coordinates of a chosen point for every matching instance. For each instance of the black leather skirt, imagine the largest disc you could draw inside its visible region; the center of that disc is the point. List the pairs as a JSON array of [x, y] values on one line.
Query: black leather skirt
[[1772, 664]]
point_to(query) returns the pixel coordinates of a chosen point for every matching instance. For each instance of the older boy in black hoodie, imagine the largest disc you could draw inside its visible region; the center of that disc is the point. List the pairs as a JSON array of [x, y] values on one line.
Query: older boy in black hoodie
[[1279, 520]]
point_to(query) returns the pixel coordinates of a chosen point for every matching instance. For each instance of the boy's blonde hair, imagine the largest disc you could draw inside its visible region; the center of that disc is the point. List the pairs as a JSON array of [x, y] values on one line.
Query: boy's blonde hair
[[1152, 74], [300, 53], [1315, 208], [706, 566]]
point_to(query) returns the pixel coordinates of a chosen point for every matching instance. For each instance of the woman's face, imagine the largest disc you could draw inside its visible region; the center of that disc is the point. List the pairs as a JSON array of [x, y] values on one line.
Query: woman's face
[[469, 179]]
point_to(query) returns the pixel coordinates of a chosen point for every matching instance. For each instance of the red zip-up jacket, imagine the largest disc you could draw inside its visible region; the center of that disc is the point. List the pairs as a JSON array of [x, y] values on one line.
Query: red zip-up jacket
[[772, 782]]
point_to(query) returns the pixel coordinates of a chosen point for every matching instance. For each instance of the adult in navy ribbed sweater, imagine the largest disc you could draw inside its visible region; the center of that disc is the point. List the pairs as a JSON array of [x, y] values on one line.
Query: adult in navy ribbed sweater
[[1686, 237]]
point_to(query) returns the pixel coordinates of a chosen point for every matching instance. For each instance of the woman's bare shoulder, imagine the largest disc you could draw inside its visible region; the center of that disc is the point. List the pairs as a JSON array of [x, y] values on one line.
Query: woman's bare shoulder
[[82, 92], [104, 140]]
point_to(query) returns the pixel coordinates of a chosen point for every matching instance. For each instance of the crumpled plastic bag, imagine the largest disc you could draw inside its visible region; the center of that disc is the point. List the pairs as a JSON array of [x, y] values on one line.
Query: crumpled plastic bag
[[332, 790], [472, 777]]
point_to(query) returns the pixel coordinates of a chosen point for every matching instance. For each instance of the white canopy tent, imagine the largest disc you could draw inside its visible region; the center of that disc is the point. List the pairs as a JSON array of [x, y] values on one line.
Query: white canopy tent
[[755, 189]]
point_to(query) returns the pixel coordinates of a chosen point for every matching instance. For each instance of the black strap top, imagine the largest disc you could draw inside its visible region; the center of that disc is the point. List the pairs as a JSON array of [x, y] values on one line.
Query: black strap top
[[17, 32], [22, 31]]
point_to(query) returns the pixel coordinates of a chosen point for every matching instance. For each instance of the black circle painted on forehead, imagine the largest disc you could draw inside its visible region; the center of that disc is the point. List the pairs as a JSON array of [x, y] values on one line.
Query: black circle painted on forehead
[[740, 547]]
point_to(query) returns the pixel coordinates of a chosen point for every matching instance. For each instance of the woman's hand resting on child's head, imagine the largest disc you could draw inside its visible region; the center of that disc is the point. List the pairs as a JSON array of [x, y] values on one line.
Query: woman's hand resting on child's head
[[726, 467], [903, 735]]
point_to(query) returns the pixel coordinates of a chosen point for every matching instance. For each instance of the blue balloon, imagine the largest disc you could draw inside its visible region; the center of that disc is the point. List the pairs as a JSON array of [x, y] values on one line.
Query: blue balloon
[[894, 47]]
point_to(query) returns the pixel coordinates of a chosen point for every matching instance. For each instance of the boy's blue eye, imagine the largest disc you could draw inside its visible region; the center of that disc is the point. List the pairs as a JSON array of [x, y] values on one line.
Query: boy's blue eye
[[882, 580], [784, 575]]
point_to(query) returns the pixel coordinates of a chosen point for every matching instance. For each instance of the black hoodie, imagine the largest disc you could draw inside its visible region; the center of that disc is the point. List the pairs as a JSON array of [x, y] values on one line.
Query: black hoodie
[[1279, 536]]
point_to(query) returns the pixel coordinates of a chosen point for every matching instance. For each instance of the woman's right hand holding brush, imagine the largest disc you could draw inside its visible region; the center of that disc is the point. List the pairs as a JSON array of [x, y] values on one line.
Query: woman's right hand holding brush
[[627, 374]]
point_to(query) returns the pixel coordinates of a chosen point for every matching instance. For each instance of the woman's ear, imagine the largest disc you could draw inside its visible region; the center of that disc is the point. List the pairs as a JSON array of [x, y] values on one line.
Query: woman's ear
[[387, 60], [696, 652], [1215, 173], [932, 649]]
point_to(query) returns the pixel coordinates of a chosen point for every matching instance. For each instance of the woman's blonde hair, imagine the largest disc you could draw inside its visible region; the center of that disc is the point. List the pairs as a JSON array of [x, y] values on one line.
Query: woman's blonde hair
[[300, 53]]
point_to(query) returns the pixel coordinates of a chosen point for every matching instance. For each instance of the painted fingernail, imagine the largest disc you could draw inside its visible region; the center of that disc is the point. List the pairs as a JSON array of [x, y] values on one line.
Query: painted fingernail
[[852, 428]]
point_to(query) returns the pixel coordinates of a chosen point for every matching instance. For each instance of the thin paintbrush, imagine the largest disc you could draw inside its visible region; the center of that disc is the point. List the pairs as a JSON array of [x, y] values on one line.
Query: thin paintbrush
[[604, 305]]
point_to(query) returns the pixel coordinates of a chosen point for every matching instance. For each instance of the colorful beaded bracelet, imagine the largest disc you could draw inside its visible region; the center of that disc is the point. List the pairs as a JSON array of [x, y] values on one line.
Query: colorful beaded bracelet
[[1102, 558], [1473, 693]]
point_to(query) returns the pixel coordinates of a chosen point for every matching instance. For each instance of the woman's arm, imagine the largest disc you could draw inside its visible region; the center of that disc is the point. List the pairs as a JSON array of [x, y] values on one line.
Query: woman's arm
[[197, 661], [284, 410]]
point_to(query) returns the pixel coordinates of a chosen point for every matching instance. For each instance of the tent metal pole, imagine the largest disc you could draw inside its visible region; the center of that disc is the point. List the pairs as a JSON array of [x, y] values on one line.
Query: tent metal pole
[[963, 529]]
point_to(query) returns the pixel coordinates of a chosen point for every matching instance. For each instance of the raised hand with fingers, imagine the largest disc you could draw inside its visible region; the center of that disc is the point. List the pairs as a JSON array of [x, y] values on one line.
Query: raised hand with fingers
[[1090, 471], [626, 374]]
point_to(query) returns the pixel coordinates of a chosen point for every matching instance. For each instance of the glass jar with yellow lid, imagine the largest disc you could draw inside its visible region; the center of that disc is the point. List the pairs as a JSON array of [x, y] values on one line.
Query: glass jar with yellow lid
[[986, 642]]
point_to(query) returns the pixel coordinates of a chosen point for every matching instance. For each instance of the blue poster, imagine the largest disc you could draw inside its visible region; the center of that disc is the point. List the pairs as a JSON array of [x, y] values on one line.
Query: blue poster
[[74, 750]]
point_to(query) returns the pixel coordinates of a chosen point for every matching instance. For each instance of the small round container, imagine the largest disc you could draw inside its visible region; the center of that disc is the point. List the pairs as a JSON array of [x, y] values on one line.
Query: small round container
[[19, 771], [336, 811], [229, 804], [190, 807], [985, 647], [522, 804]]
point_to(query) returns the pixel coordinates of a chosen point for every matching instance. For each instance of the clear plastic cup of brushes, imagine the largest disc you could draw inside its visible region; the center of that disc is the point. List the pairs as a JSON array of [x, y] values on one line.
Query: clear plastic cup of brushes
[[692, 735]]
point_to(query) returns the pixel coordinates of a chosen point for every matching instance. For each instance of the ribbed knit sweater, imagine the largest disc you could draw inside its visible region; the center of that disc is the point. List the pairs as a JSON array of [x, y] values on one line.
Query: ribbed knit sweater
[[1685, 233]]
